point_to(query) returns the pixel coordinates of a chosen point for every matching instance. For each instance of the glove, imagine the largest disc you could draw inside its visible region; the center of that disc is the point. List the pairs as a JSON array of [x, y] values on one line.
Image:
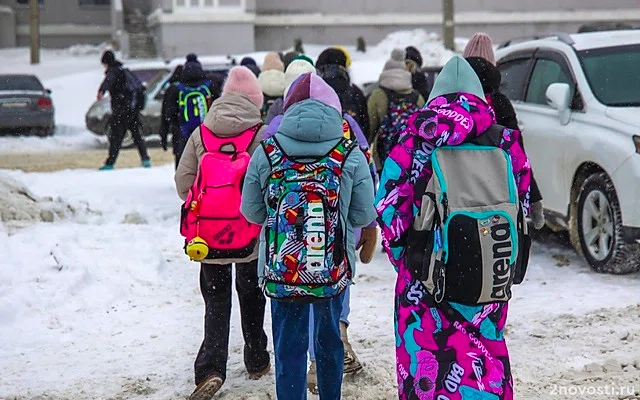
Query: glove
[[165, 145], [368, 242], [537, 215]]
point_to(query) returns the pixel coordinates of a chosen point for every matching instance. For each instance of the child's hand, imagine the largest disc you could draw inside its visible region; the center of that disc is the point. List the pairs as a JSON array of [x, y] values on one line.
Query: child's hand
[[368, 242]]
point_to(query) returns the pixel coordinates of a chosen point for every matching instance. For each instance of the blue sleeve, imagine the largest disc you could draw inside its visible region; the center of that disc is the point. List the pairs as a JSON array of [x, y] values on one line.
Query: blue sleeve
[[361, 208], [253, 205]]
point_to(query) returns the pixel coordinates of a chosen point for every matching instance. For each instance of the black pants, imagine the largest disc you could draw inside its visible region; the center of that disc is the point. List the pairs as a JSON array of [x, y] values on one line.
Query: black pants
[[179, 143], [121, 122], [215, 285]]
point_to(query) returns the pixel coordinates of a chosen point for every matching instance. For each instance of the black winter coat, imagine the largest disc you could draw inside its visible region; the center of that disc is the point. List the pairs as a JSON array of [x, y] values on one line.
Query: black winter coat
[[421, 84], [352, 99], [114, 83], [170, 110]]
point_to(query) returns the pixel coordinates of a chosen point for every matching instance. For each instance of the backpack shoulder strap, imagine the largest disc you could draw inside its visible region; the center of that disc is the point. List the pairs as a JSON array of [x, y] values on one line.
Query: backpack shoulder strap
[[213, 143], [273, 151], [491, 137]]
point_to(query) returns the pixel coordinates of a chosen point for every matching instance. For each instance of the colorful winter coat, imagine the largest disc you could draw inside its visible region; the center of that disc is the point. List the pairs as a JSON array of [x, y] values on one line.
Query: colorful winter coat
[[444, 351]]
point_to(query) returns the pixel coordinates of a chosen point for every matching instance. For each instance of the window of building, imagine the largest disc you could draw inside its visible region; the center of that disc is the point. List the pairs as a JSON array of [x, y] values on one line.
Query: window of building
[[26, 2], [209, 4], [102, 3]]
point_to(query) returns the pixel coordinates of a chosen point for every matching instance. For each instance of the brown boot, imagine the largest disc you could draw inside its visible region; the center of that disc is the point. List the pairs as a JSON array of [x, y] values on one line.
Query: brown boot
[[312, 379], [351, 362], [254, 376], [207, 388]]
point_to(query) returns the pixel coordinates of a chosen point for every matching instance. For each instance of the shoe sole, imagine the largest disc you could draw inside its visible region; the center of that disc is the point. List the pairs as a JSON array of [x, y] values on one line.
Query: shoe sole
[[208, 390], [352, 369]]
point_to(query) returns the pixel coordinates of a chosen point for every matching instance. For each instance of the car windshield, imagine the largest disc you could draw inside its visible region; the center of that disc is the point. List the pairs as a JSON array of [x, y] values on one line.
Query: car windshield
[[613, 74], [157, 79], [148, 75], [20, 82]]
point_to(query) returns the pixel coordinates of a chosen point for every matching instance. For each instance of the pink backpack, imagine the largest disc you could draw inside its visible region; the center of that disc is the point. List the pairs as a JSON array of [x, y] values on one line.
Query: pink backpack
[[212, 209]]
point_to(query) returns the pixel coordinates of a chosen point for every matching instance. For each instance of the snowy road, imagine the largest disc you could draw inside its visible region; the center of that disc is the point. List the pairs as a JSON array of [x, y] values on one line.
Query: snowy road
[[104, 305]]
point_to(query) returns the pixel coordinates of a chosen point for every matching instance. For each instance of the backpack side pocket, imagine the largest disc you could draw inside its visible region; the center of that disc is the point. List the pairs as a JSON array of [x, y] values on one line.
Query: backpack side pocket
[[421, 239]]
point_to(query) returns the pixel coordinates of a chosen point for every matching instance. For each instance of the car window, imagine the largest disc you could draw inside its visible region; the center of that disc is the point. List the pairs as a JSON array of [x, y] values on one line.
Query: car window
[[20, 82], [544, 74], [514, 75]]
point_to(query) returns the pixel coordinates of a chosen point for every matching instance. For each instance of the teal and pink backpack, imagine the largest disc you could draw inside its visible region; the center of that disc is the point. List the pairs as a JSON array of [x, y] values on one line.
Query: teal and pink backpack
[[211, 212]]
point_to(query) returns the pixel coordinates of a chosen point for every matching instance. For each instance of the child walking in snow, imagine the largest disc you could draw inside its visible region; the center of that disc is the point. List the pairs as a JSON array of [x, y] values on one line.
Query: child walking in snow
[[456, 253], [304, 267], [232, 128]]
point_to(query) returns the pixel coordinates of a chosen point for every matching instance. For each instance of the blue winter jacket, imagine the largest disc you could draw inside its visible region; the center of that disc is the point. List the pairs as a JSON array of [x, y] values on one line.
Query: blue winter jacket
[[311, 128]]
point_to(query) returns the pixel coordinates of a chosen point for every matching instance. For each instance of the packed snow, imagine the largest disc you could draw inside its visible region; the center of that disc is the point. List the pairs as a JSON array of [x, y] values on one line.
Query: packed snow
[[103, 304]]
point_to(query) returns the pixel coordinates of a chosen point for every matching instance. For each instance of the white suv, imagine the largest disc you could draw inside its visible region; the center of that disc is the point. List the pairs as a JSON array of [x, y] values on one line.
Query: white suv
[[577, 98]]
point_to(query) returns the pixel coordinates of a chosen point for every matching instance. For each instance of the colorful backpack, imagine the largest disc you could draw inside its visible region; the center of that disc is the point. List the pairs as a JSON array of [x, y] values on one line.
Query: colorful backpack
[[469, 242], [305, 240], [211, 213], [193, 105], [401, 107]]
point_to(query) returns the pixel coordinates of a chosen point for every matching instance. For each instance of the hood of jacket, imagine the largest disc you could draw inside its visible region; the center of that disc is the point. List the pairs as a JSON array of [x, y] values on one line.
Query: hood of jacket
[[312, 111], [336, 76], [457, 76], [488, 74], [311, 121], [397, 80], [231, 114], [193, 74], [272, 83]]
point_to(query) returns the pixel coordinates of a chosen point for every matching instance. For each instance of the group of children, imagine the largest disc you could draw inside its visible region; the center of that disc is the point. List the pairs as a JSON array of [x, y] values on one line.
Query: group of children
[[279, 179]]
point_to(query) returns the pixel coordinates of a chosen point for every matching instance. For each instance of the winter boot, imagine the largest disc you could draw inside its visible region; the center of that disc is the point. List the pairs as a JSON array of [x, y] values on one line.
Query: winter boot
[[351, 362], [146, 163], [254, 376], [207, 388], [106, 167], [312, 379]]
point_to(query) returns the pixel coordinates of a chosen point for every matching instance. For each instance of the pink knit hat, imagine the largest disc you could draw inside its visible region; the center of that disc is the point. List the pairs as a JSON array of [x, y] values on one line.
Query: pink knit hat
[[480, 45], [242, 81]]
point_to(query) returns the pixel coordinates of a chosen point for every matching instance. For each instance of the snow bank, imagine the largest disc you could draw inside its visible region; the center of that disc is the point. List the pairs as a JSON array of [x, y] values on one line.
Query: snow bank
[[430, 45], [17, 203], [86, 49]]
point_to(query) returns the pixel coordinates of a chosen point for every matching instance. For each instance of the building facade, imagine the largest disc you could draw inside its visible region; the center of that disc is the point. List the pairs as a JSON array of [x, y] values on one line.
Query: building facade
[[169, 28]]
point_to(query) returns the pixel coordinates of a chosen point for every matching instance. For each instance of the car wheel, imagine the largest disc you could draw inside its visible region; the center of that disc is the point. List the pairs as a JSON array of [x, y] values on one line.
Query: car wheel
[[599, 227]]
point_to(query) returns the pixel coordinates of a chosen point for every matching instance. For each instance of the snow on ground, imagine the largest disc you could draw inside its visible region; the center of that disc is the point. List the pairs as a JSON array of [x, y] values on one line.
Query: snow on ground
[[74, 75], [105, 305]]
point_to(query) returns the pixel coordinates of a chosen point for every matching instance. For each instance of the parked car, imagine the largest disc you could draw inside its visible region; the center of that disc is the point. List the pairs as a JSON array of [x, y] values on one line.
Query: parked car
[[25, 105], [577, 98], [99, 114]]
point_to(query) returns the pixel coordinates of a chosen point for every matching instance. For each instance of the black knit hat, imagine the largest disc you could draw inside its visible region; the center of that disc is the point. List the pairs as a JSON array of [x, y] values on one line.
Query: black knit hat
[[332, 56], [108, 58], [414, 55]]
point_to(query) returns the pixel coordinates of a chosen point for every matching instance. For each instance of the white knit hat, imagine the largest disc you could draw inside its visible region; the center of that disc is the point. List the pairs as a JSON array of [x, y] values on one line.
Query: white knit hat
[[294, 70]]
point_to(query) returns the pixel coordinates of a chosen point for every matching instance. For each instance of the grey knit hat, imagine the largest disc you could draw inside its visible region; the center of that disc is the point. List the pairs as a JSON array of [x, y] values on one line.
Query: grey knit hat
[[396, 61]]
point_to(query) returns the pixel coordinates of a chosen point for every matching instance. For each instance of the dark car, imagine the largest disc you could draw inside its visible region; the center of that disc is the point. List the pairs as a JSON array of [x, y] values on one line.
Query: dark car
[[25, 105], [99, 114]]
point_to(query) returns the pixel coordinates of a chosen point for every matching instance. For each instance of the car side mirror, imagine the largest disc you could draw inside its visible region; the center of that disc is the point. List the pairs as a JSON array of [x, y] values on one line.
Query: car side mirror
[[48, 91], [559, 98]]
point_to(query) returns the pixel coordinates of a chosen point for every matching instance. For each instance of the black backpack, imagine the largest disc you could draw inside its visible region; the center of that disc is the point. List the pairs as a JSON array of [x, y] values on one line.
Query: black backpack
[[135, 89]]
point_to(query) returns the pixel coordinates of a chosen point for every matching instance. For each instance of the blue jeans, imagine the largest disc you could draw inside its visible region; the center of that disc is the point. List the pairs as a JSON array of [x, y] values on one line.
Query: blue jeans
[[291, 340], [344, 317]]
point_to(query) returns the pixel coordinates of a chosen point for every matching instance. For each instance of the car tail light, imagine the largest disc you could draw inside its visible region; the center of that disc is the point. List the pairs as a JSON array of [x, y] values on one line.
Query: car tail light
[[636, 141], [45, 102]]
